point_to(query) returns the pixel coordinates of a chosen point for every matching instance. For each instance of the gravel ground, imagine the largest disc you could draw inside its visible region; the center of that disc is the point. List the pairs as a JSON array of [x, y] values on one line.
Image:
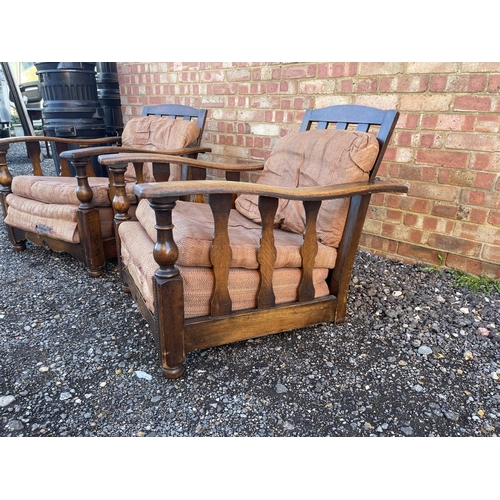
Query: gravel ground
[[417, 357]]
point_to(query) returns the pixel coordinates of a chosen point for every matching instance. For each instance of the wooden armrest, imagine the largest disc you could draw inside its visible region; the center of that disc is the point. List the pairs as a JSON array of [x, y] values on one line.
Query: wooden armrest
[[62, 140], [176, 189], [108, 150], [159, 158]]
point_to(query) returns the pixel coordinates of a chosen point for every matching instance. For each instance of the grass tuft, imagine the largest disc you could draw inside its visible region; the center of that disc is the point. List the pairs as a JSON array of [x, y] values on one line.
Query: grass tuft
[[483, 284]]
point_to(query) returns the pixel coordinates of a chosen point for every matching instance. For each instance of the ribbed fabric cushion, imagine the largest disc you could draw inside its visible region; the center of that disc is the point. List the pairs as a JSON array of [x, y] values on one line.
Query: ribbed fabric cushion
[[194, 229], [54, 220], [158, 133], [137, 256], [314, 158], [62, 190]]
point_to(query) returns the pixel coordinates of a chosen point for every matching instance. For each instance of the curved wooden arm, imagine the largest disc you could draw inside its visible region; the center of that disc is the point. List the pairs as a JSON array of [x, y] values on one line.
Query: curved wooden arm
[[159, 158], [177, 189], [62, 140], [114, 150]]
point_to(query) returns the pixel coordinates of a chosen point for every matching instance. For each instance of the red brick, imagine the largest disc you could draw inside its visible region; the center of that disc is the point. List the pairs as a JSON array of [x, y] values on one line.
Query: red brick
[[402, 138], [478, 215], [463, 123], [473, 142], [472, 103], [419, 253], [367, 85], [494, 83], [433, 192], [454, 245], [413, 172], [485, 180], [304, 71], [491, 253], [473, 266], [410, 220], [456, 177], [378, 199], [448, 130], [487, 162], [429, 140], [480, 198], [347, 86], [438, 83], [386, 215], [336, 70], [494, 218], [408, 121], [276, 74], [465, 83], [371, 242], [447, 211], [488, 123]]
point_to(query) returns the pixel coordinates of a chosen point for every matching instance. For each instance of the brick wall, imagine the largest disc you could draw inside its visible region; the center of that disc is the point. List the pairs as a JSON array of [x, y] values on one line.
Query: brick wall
[[446, 146]]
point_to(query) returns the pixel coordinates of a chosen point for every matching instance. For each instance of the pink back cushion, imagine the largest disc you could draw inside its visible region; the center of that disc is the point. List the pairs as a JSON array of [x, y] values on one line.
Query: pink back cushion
[[315, 158], [158, 133]]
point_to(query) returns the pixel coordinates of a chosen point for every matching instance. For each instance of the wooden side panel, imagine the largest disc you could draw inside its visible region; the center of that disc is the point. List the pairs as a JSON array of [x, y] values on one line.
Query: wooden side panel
[[201, 333]]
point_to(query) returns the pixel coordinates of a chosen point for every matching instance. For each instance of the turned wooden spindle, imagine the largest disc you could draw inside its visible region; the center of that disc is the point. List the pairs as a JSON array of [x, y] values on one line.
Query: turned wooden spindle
[[121, 206]]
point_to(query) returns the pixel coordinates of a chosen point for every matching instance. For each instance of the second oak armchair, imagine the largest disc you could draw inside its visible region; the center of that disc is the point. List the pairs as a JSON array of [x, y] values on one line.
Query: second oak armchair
[[75, 214]]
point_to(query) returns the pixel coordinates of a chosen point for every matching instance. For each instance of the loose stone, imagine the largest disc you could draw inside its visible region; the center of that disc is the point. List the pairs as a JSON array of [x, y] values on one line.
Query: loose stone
[[424, 350], [6, 400]]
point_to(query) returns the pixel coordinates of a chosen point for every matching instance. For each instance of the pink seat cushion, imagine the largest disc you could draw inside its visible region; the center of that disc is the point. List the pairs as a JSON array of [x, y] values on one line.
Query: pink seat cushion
[[52, 220], [194, 229], [137, 256], [62, 190], [315, 158]]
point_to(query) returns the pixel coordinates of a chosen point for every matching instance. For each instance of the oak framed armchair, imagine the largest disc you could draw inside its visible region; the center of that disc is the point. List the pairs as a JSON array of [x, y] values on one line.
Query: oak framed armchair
[[205, 275], [74, 214]]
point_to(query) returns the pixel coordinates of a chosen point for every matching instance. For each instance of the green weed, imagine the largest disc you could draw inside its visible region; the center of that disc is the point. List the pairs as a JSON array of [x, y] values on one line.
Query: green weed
[[482, 284], [436, 268]]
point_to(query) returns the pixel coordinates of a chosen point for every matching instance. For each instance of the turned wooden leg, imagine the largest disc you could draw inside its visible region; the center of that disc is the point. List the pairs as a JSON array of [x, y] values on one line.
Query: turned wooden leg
[[18, 243], [168, 290], [89, 224], [17, 246]]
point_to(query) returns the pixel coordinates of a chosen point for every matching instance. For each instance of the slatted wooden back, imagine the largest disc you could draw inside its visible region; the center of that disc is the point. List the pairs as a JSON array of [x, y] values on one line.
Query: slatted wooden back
[[179, 111], [362, 118]]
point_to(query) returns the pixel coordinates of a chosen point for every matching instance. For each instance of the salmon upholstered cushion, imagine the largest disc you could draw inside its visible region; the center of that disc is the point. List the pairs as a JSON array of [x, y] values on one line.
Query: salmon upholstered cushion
[[62, 190], [48, 205], [137, 256], [194, 230], [315, 158], [52, 219], [158, 133]]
